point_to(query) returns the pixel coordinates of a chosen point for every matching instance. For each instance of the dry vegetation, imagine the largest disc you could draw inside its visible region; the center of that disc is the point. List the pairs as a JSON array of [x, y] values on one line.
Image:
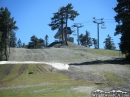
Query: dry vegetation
[[89, 70]]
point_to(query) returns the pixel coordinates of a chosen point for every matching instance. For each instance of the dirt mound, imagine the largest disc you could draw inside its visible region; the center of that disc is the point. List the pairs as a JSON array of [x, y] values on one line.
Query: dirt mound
[[10, 72]]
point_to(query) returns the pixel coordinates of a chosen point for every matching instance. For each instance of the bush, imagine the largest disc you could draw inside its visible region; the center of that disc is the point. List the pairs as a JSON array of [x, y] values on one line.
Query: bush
[[30, 72]]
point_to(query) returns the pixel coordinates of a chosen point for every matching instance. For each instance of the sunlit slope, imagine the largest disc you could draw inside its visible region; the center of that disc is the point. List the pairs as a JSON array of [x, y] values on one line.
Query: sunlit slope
[[65, 54], [28, 74], [37, 80]]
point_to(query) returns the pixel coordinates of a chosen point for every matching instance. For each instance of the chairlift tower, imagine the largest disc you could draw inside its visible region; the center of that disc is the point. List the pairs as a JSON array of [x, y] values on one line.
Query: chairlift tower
[[99, 21], [78, 25]]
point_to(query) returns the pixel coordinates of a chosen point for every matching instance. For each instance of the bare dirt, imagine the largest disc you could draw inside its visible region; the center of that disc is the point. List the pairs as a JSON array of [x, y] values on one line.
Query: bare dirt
[[64, 55], [83, 65]]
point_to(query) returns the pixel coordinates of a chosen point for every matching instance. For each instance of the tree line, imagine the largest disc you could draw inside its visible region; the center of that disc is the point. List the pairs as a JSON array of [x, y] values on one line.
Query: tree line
[[59, 21], [37, 42], [8, 36], [86, 40]]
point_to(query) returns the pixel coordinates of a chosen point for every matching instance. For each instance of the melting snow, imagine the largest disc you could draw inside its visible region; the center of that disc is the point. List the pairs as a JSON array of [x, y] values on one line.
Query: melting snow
[[60, 66]]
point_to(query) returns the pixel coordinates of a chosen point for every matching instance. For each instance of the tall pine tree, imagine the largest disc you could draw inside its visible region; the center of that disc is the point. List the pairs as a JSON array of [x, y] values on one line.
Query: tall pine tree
[[123, 19], [69, 14], [7, 24], [58, 21], [61, 17]]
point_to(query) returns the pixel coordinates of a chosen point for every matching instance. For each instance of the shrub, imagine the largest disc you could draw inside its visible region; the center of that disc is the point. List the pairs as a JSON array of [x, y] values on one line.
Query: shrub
[[30, 72]]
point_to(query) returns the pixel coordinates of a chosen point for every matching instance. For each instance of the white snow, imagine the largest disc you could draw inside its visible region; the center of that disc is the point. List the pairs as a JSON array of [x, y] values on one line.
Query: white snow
[[59, 66]]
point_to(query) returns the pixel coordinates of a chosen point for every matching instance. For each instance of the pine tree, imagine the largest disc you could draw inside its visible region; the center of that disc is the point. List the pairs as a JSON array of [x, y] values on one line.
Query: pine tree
[[13, 39], [69, 14], [95, 43], [36, 43], [81, 39], [57, 22], [88, 39], [7, 24], [46, 40], [61, 17], [85, 40], [109, 44], [123, 19], [41, 43], [34, 40], [19, 44]]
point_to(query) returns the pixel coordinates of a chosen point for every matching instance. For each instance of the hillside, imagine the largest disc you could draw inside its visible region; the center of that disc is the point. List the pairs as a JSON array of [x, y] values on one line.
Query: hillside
[[65, 54], [89, 69]]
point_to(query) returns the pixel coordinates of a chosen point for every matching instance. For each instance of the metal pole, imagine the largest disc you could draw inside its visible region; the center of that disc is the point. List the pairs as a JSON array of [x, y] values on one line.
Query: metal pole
[[101, 22], [75, 25], [98, 33], [78, 35]]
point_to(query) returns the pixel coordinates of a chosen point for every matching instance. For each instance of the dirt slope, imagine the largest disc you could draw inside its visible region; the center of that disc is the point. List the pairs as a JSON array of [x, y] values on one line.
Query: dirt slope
[[84, 65], [65, 55]]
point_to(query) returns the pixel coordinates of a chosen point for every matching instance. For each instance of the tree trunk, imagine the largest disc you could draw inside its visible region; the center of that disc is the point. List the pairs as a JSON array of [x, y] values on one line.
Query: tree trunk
[[62, 30], [62, 36], [9, 45], [6, 54], [66, 29], [1, 52]]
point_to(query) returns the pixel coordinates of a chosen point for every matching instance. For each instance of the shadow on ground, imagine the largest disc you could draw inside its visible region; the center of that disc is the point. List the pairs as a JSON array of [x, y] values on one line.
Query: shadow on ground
[[117, 61]]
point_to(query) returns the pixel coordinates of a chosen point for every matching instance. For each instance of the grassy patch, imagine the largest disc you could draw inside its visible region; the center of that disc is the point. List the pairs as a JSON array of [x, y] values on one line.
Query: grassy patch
[[19, 76], [41, 83], [105, 52], [113, 78], [42, 91]]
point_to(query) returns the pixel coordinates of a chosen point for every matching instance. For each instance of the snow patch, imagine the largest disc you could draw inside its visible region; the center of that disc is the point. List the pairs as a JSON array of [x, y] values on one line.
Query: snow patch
[[60, 66]]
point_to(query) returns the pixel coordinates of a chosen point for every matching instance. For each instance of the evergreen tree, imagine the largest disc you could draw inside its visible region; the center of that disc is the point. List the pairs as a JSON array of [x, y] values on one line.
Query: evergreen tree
[[85, 40], [57, 21], [34, 40], [41, 43], [81, 39], [46, 40], [123, 19], [30, 45], [13, 39], [61, 17], [36, 43], [24, 45], [69, 14], [19, 44], [109, 44], [95, 43], [7, 25], [88, 39]]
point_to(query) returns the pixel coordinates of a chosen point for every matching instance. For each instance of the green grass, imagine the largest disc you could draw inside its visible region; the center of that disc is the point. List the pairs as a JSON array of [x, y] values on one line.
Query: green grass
[[113, 78], [105, 52], [57, 90], [42, 83]]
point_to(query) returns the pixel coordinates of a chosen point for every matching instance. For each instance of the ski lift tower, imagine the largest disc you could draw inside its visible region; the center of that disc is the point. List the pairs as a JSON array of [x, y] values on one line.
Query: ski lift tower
[[78, 25], [99, 21]]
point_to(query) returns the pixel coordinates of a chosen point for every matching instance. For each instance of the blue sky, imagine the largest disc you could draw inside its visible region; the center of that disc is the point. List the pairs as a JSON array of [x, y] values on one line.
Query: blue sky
[[33, 17]]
